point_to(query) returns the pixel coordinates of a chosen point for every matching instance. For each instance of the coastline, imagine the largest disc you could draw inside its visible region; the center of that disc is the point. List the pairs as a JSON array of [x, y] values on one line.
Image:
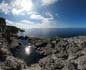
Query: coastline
[[50, 54]]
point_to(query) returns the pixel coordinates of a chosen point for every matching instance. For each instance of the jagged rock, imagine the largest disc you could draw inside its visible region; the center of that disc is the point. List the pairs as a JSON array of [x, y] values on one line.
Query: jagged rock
[[12, 63], [47, 54], [34, 67], [8, 30], [2, 25], [51, 63], [81, 62], [69, 65], [13, 29]]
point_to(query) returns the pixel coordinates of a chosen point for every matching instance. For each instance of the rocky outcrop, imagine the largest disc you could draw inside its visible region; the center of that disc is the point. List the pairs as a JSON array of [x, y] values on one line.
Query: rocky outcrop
[[62, 53], [12, 63], [8, 29], [13, 29], [46, 54], [2, 25]]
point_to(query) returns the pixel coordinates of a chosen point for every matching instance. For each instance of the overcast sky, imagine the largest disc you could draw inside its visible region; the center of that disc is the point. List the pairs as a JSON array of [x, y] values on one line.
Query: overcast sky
[[44, 13]]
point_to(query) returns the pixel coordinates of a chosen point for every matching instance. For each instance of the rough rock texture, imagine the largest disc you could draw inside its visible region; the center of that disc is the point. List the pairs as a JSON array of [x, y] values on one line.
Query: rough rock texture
[[8, 29], [46, 54], [63, 53]]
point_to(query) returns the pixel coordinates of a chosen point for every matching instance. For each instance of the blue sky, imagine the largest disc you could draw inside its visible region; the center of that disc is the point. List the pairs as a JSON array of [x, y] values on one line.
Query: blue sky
[[44, 13]]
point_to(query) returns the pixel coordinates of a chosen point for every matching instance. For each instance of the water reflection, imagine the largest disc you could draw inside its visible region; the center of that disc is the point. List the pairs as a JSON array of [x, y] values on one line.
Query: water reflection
[[26, 51]]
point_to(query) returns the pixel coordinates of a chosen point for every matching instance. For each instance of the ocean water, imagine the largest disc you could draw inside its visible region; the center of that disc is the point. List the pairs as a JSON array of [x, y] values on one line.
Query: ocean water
[[56, 32]]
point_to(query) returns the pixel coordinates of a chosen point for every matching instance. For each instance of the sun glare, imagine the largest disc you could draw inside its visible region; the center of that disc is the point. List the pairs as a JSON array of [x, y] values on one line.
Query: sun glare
[[22, 5], [28, 50], [26, 5]]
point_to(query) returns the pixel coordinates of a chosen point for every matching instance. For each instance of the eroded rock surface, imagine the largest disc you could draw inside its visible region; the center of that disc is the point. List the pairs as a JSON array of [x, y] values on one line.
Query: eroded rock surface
[[48, 54]]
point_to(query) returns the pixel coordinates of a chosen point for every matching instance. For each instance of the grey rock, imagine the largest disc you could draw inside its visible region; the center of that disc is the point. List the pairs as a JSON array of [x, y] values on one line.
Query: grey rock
[[12, 63], [51, 63]]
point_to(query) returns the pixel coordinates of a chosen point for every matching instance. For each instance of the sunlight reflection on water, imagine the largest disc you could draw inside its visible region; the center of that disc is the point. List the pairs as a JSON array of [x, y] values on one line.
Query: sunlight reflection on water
[[28, 50]]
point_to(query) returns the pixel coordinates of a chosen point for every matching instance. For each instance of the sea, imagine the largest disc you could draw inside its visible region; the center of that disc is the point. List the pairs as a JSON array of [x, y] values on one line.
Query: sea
[[54, 32]]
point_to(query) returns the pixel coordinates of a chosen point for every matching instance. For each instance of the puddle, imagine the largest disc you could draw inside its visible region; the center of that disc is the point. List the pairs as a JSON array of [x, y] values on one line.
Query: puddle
[[25, 47]]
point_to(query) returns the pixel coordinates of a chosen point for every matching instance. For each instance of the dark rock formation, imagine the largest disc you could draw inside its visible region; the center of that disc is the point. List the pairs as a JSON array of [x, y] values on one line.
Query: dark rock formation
[[8, 29], [13, 29], [2, 25], [2, 22]]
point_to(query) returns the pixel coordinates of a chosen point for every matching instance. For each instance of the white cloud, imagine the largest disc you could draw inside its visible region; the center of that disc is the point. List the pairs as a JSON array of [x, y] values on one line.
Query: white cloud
[[10, 23], [20, 6], [16, 12], [4, 7], [26, 24], [16, 7], [48, 2], [40, 17], [38, 25], [36, 16], [23, 7]]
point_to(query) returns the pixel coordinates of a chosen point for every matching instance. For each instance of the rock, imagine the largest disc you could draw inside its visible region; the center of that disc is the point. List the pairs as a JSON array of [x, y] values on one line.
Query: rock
[[2, 24], [4, 52], [40, 44], [46, 54], [69, 65], [51, 63], [34, 67], [13, 29], [12, 63], [81, 61]]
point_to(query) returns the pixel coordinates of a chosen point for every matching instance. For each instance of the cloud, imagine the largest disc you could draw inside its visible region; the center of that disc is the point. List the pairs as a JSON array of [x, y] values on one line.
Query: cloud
[[43, 22], [36, 16], [20, 6], [48, 2], [4, 7], [10, 23], [26, 24], [16, 7], [50, 15]]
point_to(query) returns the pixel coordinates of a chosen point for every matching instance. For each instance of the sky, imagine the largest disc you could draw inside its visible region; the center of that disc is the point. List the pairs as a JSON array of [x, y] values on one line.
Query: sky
[[27, 14]]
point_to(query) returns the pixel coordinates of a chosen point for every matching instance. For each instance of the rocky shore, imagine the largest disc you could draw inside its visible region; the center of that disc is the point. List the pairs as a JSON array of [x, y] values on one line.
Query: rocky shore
[[47, 54], [30, 53]]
